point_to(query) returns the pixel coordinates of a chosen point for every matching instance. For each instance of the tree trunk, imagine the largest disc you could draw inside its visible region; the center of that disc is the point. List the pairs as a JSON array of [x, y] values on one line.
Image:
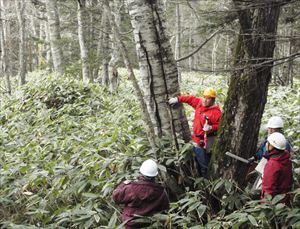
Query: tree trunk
[[20, 6], [99, 48], [81, 17], [105, 51], [248, 88], [214, 54], [35, 28], [3, 52], [145, 115], [191, 61], [157, 69], [291, 60], [54, 36], [178, 39], [48, 46], [113, 70]]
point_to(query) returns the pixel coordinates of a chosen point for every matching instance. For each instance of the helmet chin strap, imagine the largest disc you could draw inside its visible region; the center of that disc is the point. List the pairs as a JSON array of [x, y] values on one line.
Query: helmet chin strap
[[269, 147]]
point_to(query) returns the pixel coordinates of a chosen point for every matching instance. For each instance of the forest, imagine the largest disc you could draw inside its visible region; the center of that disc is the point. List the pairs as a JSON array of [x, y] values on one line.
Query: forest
[[85, 91]]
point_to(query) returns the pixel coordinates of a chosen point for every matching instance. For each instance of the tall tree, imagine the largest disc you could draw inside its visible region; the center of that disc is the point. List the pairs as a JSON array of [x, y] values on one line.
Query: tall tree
[[81, 18], [113, 71], [127, 62], [20, 6], [105, 49], [248, 88], [178, 37], [3, 50], [54, 36], [157, 69]]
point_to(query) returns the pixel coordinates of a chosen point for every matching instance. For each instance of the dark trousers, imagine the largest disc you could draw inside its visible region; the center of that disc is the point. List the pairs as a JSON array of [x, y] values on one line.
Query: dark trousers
[[202, 159]]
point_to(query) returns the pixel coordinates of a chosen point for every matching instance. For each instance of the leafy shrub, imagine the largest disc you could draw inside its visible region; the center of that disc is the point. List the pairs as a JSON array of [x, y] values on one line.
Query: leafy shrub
[[66, 145]]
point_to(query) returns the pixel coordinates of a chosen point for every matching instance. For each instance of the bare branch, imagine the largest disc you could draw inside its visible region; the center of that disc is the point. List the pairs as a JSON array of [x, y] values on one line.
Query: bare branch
[[197, 49]]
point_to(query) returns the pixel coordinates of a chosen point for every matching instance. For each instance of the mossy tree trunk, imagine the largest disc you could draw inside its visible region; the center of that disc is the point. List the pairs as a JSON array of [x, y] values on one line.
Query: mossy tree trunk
[[248, 88]]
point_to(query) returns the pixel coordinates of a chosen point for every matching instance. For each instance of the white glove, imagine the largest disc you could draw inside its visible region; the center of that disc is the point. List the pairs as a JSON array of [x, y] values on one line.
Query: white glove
[[207, 127], [126, 182], [173, 100]]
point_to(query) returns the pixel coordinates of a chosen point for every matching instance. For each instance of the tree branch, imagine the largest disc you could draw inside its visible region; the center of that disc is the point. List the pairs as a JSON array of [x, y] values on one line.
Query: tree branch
[[197, 49]]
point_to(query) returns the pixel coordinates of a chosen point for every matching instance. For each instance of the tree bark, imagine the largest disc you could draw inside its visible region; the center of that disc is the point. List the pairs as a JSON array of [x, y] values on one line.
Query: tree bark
[[113, 70], [125, 54], [48, 46], [214, 54], [99, 47], [20, 6], [3, 51], [248, 88], [157, 69], [105, 50], [81, 18], [178, 38], [54, 36]]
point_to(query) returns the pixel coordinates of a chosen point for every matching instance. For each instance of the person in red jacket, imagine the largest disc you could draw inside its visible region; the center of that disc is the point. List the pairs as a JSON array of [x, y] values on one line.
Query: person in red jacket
[[206, 124], [143, 197], [277, 177]]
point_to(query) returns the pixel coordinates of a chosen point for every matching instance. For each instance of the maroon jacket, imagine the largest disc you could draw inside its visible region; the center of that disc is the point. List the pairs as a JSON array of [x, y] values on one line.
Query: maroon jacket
[[213, 113], [277, 178], [142, 197]]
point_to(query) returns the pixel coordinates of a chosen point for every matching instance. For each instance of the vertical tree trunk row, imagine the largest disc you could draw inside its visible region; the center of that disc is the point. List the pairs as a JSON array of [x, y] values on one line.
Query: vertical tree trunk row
[[145, 114]]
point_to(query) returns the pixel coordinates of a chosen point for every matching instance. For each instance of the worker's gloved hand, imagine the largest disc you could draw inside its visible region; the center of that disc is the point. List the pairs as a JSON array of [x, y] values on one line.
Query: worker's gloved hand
[[207, 127], [252, 159], [194, 144], [126, 182], [173, 101]]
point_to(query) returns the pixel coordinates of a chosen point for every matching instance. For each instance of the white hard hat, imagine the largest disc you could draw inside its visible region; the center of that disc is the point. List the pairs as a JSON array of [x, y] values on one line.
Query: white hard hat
[[277, 140], [149, 168], [275, 122]]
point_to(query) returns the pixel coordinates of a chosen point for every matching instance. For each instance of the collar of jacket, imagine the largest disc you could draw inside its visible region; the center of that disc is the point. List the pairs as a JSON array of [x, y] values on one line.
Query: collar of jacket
[[274, 153], [143, 178]]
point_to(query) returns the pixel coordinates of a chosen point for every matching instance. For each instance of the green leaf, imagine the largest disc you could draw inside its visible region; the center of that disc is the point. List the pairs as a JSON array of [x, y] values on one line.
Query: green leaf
[[277, 199], [90, 195], [113, 221], [218, 185], [252, 220], [193, 206], [201, 210]]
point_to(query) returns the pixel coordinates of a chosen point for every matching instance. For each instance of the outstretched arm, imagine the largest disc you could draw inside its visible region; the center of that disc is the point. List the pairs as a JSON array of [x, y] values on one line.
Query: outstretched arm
[[191, 100]]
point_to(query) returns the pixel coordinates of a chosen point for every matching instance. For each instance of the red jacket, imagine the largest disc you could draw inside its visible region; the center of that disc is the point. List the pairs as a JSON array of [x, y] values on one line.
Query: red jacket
[[142, 198], [213, 113], [277, 178]]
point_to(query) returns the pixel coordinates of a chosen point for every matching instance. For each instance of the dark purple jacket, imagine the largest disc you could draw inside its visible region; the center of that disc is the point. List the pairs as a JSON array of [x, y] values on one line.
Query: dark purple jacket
[[142, 197], [277, 178]]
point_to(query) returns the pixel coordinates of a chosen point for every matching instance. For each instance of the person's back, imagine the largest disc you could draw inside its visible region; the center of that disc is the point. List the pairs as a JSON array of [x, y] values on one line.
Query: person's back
[[277, 176], [143, 197]]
